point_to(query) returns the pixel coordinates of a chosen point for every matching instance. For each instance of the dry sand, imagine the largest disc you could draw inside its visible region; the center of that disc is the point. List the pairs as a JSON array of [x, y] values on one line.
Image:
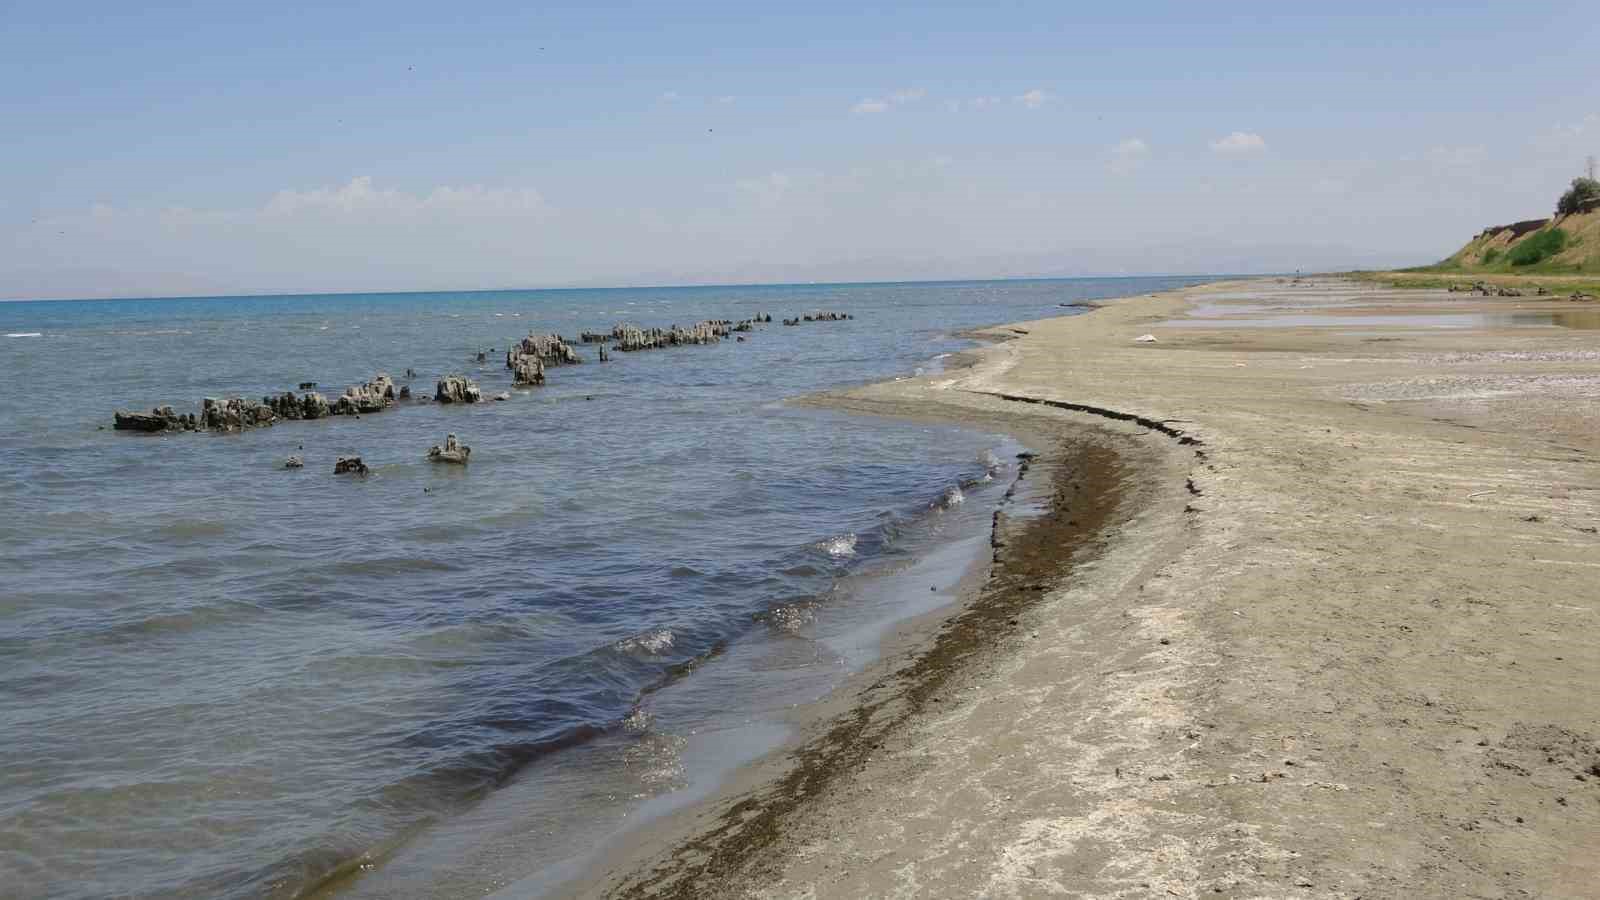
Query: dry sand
[[1321, 622]]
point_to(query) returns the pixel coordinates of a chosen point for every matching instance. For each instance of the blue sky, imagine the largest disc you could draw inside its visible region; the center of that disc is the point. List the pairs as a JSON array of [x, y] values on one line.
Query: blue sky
[[213, 147]]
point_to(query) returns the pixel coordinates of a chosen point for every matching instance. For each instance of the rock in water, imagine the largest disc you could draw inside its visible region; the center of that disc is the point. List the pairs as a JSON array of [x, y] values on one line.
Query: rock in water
[[161, 418], [450, 452], [816, 317], [350, 465], [234, 414], [374, 396], [528, 359], [549, 348], [457, 389], [287, 406], [527, 370], [294, 462], [631, 337]]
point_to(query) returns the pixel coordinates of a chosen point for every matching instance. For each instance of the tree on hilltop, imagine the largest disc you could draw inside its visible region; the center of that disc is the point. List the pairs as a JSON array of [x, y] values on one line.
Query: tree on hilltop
[[1583, 190]]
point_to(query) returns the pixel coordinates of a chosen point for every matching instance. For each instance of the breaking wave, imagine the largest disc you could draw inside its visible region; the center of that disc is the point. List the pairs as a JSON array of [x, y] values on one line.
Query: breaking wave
[[651, 643], [839, 547]]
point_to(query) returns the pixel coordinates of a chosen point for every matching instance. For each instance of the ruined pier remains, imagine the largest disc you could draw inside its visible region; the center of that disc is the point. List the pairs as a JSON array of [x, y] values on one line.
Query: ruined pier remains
[[528, 359], [630, 337], [457, 389]]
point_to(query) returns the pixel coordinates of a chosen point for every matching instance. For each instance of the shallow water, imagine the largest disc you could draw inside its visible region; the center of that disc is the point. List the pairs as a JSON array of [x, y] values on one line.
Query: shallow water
[[1210, 316], [1581, 319], [222, 678]]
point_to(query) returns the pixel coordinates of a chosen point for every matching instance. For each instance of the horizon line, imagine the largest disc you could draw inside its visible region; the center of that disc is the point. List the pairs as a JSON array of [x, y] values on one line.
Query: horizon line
[[635, 287]]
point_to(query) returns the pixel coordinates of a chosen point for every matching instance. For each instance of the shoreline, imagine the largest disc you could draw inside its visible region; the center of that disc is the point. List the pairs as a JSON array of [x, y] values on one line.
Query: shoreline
[[933, 562], [879, 712], [1089, 477], [411, 855], [1339, 650]]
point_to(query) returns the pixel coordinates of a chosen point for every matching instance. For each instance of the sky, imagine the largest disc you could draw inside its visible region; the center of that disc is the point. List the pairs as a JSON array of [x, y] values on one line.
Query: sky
[[217, 147]]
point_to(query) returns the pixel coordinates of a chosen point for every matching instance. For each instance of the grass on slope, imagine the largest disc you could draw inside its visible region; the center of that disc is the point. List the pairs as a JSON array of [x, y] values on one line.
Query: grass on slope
[[1567, 245], [1543, 244], [1559, 286]]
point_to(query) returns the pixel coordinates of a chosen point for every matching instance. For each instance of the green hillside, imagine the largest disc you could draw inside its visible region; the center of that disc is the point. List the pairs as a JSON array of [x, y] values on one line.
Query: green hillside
[[1568, 244]]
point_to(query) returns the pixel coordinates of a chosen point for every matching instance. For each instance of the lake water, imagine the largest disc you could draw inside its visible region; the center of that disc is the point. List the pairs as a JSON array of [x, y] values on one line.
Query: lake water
[[223, 678]]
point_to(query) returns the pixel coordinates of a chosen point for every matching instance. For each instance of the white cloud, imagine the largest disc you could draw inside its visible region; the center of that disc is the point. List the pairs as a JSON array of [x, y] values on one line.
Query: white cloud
[[975, 103], [1573, 139], [677, 97], [1129, 154], [340, 235], [1588, 123], [1034, 99], [359, 196], [769, 190], [1239, 142], [921, 216], [895, 98]]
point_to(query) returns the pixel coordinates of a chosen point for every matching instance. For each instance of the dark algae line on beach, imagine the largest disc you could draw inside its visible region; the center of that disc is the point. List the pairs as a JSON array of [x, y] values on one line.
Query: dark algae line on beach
[[1033, 552]]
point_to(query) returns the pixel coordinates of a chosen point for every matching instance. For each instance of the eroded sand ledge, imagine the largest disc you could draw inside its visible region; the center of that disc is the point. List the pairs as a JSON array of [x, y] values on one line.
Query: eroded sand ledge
[[1342, 646]]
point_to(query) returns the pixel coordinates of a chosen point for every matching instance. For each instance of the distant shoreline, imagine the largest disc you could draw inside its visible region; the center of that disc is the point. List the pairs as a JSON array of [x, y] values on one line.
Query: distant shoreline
[[602, 288]]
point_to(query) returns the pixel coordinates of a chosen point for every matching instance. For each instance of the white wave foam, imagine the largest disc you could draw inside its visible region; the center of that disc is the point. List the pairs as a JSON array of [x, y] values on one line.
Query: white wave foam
[[638, 721], [656, 760], [156, 332], [652, 642], [791, 618], [839, 547], [24, 334], [951, 499]]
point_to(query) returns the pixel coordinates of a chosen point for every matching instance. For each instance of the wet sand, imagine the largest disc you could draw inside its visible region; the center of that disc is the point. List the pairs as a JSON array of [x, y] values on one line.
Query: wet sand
[[1311, 613]]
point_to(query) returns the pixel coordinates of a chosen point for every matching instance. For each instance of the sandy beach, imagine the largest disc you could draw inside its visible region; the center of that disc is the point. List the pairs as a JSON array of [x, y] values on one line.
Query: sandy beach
[[1309, 613]]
